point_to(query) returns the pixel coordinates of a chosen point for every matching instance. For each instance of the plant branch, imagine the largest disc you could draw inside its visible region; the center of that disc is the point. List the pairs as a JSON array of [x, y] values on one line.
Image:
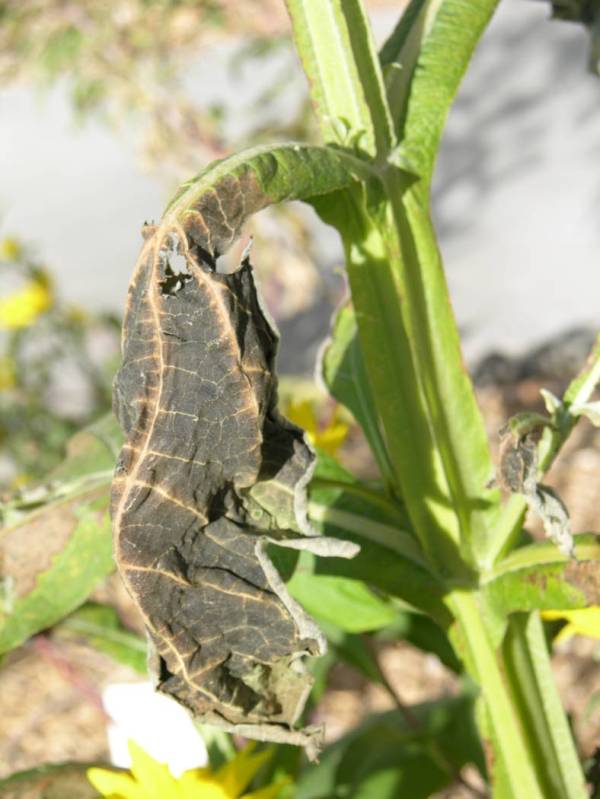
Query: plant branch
[[579, 391]]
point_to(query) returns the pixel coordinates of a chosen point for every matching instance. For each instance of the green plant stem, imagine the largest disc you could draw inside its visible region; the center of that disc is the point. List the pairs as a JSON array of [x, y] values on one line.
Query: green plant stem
[[456, 421], [372, 261], [587, 547], [528, 672], [508, 735]]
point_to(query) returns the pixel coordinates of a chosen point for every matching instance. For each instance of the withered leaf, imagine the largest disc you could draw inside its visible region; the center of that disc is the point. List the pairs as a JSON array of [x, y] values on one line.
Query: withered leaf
[[210, 474], [518, 473]]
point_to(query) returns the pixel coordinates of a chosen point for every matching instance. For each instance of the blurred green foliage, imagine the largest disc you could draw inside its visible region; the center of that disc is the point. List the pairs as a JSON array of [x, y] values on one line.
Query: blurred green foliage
[[56, 367], [129, 60]]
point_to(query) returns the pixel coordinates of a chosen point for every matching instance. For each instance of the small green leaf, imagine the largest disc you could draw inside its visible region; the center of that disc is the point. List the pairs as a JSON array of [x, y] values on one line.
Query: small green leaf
[[56, 553], [346, 378], [581, 387], [100, 627], [347, 603], [35, 601], [591, 410], [551, 402], [540, 577]]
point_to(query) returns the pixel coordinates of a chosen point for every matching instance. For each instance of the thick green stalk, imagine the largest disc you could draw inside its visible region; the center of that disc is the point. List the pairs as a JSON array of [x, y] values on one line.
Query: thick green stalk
[[455, 418], [372, 254], [549, 739], [509, 742]]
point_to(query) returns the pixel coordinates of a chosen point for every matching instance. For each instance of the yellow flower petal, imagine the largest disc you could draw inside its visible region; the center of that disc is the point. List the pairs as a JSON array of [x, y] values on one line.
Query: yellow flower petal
[[153, 777], [270, 792], [22, 308], [302, 414], [585, 621], [115, 784], [235, 775], [329, 438], [201, 784], [152, 780]]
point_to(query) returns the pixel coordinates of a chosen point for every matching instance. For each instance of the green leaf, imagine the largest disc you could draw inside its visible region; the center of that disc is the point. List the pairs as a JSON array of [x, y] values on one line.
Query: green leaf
[[398, 57], [581, 388], [229, 191], [56, 781], [347, 603], [389, 559], [346, 378], [338, 55], [387, 758], [591, 410], [443, 36], [56, 553], [99, 626], [333, 488], [538, 576]]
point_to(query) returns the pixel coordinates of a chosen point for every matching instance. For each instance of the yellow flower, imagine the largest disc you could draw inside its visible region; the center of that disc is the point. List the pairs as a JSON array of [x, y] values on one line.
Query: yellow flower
[[328, 438], [149, 779], [10, 249], [22, 308], [585, 621]]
